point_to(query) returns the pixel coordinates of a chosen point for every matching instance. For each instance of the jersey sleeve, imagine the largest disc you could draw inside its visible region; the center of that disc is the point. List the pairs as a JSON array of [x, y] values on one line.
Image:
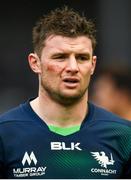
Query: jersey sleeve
[[127, 150]]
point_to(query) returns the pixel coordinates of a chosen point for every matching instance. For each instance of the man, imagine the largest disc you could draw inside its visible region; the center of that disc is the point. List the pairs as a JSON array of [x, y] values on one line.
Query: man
[[59, 134], [112, 90]]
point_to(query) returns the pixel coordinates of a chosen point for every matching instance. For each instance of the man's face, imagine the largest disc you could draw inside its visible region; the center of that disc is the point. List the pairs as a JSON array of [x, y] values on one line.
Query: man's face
[[66, 66]]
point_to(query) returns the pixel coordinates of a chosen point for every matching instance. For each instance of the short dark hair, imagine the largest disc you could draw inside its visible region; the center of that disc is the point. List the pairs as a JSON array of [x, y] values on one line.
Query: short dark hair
[[64, 22]]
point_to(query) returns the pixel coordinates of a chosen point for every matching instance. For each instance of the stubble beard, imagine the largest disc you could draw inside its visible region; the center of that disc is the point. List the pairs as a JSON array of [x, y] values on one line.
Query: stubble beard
[[61, 98]]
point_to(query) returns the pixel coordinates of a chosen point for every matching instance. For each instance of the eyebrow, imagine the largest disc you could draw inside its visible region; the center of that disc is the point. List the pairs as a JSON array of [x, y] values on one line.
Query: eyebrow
[[65, 55], [59, 54], [87, 55]]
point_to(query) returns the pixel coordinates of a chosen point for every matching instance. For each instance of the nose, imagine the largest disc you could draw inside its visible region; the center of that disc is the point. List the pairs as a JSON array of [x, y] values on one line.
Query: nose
[[72, 65]]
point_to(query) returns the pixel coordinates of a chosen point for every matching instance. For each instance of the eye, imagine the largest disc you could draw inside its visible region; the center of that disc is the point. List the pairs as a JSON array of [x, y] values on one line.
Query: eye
[[59, 57], [83, 57]]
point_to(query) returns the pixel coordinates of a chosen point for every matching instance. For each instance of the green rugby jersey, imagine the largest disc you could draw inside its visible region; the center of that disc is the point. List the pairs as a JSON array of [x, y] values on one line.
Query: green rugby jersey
[[101, 149]]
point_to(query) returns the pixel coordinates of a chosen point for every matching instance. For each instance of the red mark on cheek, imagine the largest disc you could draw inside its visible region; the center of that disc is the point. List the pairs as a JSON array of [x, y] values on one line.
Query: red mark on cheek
[[54, 68]]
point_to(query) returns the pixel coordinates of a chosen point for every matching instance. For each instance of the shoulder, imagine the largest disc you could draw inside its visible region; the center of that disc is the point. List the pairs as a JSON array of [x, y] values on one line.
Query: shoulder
[[14, 114], [110, 127]]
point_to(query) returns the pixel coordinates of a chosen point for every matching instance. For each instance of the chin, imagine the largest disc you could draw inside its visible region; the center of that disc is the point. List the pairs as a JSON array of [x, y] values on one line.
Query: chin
[[71, 95], [70, 99]]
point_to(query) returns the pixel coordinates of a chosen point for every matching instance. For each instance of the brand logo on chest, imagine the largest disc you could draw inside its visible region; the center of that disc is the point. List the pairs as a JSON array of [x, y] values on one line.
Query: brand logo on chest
[[63, 146], [27, 170], [104, 161]]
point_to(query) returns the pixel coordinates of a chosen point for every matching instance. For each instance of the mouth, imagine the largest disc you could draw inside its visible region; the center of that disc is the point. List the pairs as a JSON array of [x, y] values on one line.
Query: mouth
[[71, 80]]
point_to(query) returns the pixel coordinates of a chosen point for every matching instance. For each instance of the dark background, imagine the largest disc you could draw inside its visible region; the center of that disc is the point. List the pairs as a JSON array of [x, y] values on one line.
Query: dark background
[[17, 18]]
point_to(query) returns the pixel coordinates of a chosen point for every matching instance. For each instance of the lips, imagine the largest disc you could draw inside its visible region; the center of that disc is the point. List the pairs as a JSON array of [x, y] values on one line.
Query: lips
[[71, 80]]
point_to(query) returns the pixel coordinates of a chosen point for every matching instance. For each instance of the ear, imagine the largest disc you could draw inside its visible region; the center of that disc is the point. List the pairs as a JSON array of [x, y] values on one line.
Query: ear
[[94, 59], [34, 63]]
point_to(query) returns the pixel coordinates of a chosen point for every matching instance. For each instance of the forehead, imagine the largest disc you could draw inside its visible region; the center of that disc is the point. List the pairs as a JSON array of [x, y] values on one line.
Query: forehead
[[59, 43]]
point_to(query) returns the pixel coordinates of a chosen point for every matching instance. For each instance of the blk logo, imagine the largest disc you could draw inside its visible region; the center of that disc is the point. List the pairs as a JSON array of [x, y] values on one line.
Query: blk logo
[[63, 146], [29, 158]]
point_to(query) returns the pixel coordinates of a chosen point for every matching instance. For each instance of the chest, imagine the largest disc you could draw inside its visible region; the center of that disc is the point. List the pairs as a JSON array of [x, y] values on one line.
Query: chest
[[47, 155]]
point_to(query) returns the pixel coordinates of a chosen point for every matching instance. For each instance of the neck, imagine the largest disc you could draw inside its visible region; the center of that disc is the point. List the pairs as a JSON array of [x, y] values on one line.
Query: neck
[[56, 114]]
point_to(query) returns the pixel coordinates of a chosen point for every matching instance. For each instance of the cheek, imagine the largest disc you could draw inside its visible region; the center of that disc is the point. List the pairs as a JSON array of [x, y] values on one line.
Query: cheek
[[54, 68], [87, 71]]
